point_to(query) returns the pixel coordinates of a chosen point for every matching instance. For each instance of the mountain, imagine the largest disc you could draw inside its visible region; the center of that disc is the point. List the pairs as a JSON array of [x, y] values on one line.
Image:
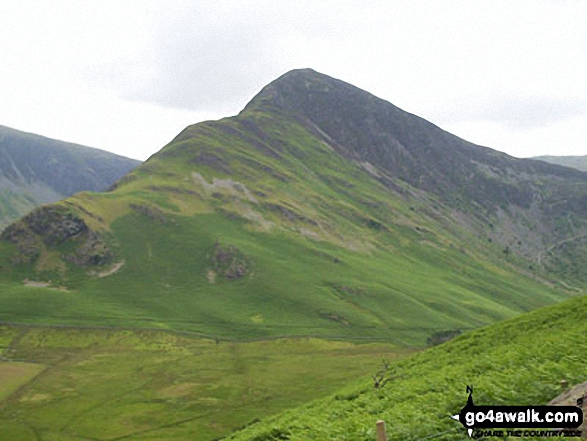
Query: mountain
[[578, 162], [35, 170], [319, 210]]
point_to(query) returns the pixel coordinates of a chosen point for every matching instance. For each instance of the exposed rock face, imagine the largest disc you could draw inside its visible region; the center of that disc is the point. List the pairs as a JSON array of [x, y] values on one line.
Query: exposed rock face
[[92, 251], [51, 226], [575, 396], [55, 224], [150, 211], [229, 261], [28, 245]]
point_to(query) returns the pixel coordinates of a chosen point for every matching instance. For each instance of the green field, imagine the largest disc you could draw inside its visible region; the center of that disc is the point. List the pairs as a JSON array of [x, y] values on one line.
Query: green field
[[517, 362], [14, 375], [148, 385]]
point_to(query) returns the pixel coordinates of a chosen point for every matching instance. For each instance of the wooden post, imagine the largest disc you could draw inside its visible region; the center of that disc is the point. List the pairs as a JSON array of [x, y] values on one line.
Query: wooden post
[[381, 435], [564, 384]]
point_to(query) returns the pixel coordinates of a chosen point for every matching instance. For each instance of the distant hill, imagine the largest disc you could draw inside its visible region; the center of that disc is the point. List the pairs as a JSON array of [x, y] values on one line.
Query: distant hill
[[319, 210], [578, 162], [35, 170]]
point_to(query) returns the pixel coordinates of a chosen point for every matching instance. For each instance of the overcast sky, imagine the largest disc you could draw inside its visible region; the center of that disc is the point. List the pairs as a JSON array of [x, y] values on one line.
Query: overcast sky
[[127, 76]]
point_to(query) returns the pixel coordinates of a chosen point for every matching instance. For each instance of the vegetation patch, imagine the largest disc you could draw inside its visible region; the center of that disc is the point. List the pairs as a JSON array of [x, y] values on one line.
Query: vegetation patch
[[14, 375], [443, 336]]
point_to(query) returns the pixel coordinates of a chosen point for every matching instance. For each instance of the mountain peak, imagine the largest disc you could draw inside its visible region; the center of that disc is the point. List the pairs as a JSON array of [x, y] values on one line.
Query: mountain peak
[[367, 129], [301, 90]]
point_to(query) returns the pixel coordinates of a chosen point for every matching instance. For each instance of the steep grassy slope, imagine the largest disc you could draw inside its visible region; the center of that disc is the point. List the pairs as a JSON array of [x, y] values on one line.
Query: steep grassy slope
[[292, 288], [319, 210], [578, 162], [35, 170], [312, 261], [80, 384], [517, 362]]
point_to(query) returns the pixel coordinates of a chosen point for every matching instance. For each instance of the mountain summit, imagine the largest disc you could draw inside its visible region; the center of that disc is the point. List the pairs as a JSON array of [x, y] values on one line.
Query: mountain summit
[[367, 129], [319, 210]]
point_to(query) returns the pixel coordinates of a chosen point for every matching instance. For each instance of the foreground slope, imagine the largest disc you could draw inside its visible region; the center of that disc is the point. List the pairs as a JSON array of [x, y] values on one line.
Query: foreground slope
[[517, 362], [318, 210], [35, 170]]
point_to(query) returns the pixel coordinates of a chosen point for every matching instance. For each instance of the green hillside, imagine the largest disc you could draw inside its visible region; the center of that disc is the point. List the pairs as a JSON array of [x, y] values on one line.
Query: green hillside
[[35, 170], [517, 362], [279, 222]]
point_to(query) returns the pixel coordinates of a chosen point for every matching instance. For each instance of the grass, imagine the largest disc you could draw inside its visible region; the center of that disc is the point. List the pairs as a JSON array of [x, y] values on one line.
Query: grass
[[107, 384], [293, 286], [14, 374], [517, 362]]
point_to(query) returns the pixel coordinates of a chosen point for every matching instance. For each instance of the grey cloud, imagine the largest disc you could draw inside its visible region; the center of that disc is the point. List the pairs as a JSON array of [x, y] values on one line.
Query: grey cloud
[[213, 57], [198, 65], [534, 112], [217, 59], [514, 112]]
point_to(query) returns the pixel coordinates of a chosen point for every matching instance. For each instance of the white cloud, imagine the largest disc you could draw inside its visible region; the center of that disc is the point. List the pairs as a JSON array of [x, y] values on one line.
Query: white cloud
[[565, 137], [127, 76]]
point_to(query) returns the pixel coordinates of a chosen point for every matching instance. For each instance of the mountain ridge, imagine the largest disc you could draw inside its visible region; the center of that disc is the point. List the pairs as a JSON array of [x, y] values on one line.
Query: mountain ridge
[[36, 170], [427, 157], [577, 162], [416, 153], [101, 164]]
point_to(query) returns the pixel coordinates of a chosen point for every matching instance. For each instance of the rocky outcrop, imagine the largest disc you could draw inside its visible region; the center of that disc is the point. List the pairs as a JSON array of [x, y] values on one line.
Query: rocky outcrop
[[28, 245], [150, 211], [55, 224], [230, 262], [56, 227]]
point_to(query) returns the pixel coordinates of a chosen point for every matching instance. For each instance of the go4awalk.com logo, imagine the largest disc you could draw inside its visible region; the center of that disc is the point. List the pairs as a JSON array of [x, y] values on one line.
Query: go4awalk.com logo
[[519, 421]]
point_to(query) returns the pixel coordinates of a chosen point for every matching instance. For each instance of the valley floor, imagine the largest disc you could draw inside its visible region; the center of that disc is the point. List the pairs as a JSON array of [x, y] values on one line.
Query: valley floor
[[74, 384]]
